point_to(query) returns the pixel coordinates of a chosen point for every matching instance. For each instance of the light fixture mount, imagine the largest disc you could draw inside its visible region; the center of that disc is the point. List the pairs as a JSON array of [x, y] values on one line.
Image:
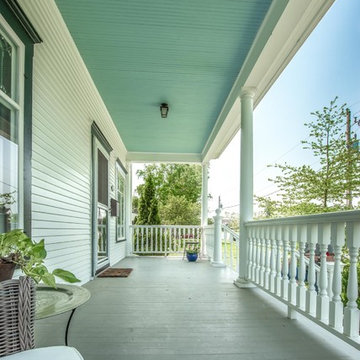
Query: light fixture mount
[[164, 109]]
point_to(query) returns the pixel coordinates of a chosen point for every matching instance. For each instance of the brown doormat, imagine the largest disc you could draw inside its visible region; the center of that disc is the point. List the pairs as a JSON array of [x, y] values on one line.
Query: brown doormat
[[115, 272]]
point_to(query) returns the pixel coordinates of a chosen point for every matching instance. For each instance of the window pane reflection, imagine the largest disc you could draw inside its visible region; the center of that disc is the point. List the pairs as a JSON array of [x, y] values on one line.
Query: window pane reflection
[[5, 66], [102, 233], [8, 170]]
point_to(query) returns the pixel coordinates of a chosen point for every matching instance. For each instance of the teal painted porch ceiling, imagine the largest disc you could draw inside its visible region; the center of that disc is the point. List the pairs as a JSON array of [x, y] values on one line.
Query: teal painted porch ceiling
[[186, 53]]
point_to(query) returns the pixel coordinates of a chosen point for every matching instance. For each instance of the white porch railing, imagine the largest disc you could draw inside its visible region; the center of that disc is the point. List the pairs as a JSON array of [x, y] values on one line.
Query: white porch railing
[[208, 235], [281, 260], [230, 248], [163, 239]]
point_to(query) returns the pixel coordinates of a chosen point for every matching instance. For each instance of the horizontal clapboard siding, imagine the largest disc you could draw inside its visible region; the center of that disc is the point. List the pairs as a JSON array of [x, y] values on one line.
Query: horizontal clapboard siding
[[65, 103]]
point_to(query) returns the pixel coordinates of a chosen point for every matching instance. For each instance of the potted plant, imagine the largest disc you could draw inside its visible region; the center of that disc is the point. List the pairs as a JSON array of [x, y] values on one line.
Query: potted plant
[[6, 200], [17, 249], [192, 253]]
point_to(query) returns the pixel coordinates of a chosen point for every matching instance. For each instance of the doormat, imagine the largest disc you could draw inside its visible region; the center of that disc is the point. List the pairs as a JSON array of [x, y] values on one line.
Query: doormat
[[115, 272]]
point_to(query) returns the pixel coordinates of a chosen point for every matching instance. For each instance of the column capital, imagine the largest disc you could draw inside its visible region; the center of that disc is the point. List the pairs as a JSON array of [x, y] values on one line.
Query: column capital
[[247, 91]]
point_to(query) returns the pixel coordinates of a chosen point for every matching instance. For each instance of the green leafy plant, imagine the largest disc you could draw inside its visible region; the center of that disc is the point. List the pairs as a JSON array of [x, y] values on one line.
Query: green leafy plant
[[16, 247], [7, 199], [193, 250]]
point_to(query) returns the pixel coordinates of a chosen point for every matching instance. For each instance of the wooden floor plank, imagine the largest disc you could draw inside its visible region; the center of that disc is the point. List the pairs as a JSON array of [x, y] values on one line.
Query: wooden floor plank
[[172, 309]]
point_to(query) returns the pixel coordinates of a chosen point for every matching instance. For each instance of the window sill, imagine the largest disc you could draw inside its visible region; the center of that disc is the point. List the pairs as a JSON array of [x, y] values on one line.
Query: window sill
[[120, 241]]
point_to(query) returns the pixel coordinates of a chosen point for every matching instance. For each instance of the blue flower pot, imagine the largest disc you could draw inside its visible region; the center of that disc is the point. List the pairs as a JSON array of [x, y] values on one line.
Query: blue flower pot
[[192, 257]]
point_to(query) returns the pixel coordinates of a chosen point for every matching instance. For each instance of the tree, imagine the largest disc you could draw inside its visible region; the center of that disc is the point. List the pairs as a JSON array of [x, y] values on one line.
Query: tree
[[304, 190], [180, 211], [148, 212], [177, 188], [175, 179]]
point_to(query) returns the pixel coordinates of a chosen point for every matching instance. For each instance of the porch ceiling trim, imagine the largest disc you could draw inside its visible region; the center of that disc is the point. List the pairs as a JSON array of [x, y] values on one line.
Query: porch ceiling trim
[[143, 157], [294, 26]]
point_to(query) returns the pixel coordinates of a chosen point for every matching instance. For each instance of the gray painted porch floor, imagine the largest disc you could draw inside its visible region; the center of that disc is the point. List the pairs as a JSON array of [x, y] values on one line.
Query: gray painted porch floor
[[172, 309]]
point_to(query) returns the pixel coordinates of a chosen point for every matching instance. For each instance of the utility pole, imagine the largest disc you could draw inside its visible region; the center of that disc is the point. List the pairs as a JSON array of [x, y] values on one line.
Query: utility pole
[[348, 170]]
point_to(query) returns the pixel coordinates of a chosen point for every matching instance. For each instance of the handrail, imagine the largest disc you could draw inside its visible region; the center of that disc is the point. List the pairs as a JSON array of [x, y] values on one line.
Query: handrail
[[231, 231], [230, 253], [166, 226], [350, 215]]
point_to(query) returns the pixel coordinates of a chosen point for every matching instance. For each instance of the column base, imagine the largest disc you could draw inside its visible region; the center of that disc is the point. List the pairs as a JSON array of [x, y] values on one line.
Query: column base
[[217, 264], [243, 283]]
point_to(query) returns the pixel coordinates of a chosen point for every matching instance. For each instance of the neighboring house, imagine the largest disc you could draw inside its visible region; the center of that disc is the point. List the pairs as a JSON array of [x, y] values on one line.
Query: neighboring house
[[81, 85]]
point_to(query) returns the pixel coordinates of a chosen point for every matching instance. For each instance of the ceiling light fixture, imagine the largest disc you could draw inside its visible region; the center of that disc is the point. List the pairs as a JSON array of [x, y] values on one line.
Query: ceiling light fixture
[[164, 109]]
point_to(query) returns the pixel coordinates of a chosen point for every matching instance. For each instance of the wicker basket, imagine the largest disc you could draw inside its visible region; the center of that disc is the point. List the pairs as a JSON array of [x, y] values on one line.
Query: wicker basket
[[17, 315]]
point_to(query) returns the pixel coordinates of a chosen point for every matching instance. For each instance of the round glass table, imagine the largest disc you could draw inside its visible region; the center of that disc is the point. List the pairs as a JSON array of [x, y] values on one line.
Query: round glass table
[[54, 301]]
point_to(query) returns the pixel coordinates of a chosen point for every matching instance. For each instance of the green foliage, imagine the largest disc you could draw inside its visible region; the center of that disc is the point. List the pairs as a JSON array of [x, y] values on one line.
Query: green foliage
[[180, 211], [345, 278], [16, 247], [193, 249], [7, 198], [305, 190], [174, 179], [176, 189], [148, 212], [135, 204]]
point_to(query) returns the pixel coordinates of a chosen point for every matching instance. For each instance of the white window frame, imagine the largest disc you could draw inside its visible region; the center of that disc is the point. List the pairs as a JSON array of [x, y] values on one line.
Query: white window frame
[[121, 212], [16, 104]]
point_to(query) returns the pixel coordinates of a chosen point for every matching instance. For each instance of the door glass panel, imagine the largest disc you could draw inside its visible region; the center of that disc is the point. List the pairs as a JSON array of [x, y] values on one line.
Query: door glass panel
[[102, 218], [102, 179], [6, 53], [9, 148]]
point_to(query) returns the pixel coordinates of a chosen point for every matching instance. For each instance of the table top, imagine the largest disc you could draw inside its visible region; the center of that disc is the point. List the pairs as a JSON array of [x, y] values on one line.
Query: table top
[[51, 301]]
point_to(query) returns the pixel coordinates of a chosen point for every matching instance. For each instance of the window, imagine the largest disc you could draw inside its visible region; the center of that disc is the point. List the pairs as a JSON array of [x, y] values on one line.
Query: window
[[11, 125], [120, 197]]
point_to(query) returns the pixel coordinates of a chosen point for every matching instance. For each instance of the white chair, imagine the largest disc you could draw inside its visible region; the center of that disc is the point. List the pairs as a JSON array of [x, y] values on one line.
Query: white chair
[[47, 353]]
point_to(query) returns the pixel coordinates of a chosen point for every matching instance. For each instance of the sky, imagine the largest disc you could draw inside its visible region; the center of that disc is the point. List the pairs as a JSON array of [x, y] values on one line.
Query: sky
[[327, 65]]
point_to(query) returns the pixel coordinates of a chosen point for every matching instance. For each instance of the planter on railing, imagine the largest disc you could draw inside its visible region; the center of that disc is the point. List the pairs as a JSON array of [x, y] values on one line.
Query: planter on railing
[[163, 239], [278, 263]]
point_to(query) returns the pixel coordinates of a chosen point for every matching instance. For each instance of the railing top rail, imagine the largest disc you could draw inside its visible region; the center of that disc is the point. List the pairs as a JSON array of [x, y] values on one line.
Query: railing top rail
[[341, 216], [167, 226], [231, 231]]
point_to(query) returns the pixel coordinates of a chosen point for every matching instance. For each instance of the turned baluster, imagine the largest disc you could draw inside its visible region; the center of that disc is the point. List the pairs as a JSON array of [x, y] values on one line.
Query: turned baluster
[[250, 250], [278, 261], [262, 256], [322, 303], [272, 258], [293, 264], [311, 293], [285, 262], [258, 256], [301, 289], [267, 258], [336, 305], [351, 311], [254, 254]]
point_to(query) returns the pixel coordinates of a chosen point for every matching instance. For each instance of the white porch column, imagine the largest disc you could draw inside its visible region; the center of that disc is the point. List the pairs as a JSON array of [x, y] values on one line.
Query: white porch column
[[217, 258], [204, 205], [129, 242], [246, 180]]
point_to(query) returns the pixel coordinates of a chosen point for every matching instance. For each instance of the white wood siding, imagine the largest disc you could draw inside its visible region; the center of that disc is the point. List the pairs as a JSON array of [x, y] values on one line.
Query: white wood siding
[[65, 103]]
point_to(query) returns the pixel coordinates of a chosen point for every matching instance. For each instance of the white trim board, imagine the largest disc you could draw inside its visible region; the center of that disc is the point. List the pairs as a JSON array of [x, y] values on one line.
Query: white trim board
[[143, 157]]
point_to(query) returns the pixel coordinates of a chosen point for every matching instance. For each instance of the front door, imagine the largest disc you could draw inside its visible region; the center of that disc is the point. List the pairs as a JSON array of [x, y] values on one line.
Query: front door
[[100, 207]]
